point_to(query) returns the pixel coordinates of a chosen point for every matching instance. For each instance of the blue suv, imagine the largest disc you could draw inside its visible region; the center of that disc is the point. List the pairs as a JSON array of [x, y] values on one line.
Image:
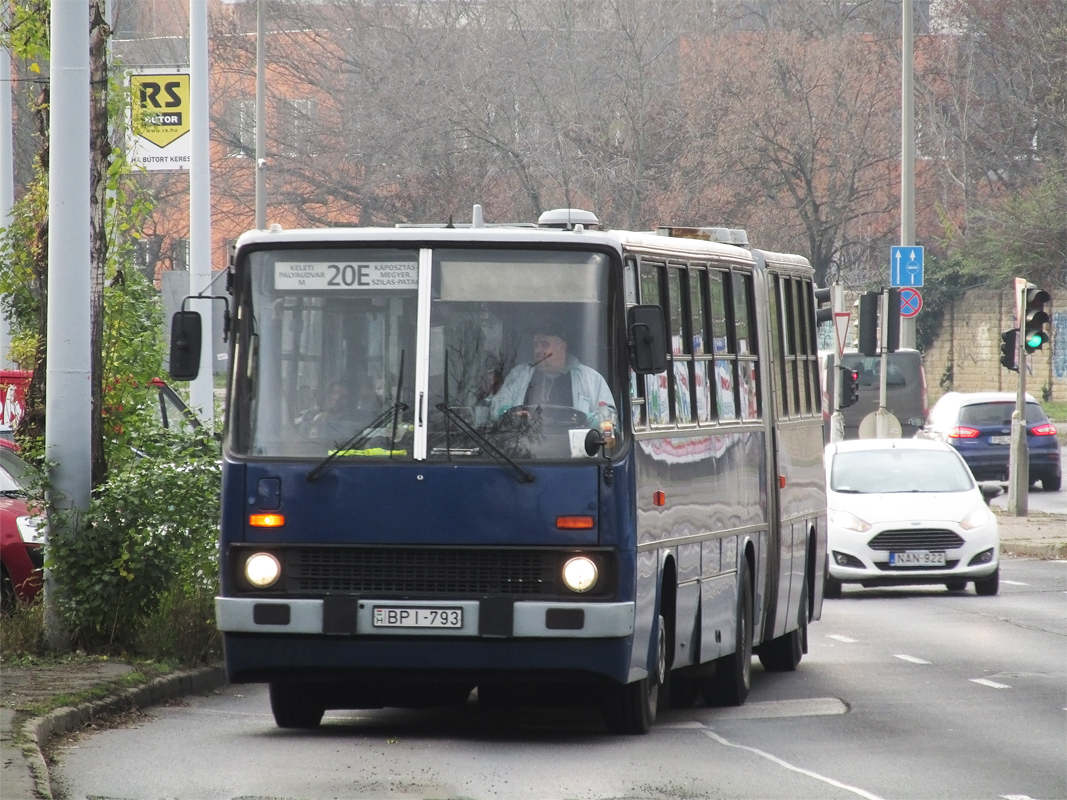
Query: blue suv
[[978, 425]]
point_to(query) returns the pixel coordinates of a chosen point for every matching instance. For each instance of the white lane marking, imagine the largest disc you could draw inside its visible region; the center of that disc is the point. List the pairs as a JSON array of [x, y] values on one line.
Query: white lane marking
[[990, 684], [912, 659], [1014, 583], [1017, 797], [855, 790], [841, 638]]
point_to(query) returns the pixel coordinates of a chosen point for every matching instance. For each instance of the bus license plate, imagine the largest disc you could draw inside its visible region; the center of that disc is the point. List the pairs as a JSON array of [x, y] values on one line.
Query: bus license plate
[[917, 558], [410, 617]]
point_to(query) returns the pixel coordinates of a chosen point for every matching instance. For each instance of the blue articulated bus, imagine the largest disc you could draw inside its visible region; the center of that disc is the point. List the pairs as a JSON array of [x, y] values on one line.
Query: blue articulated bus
[[414, 506]]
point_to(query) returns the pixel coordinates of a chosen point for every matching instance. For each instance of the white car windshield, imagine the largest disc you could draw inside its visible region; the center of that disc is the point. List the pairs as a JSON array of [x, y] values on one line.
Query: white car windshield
[[891, 471]]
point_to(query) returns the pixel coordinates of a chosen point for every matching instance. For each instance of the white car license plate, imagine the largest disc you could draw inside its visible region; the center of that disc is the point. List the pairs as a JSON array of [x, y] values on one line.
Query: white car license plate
[[409, 617], [1000, 440], [917, 558]]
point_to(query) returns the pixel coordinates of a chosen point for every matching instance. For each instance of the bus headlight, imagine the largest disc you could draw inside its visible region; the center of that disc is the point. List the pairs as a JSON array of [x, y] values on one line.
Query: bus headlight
[[580, 574], [262, 570]]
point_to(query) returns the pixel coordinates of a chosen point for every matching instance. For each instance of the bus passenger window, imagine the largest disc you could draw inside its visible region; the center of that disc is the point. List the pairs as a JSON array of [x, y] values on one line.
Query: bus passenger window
[[747, 367], [657, 395], [698, 327], [683, 405], [722, 344]]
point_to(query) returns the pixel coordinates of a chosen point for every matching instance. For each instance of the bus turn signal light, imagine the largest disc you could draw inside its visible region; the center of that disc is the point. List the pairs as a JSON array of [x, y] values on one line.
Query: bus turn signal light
[[266, 520], [574, 523]]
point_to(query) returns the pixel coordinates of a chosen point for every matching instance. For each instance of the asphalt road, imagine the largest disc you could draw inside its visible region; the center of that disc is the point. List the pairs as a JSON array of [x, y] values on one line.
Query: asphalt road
[[905, 693]]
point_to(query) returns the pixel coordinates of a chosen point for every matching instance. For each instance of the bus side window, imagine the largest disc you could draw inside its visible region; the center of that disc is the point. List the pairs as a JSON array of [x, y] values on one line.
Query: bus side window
[[777, 350], [637, 400], [722, 345], [681, 347], [698, 326], [747, 363], [811, 350], [657, 394]]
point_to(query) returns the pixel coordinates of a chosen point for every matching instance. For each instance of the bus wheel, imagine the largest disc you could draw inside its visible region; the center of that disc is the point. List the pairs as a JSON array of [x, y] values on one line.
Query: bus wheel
[[733, 673], [296, 705], [631, 708], [783, 654], [831, 589]]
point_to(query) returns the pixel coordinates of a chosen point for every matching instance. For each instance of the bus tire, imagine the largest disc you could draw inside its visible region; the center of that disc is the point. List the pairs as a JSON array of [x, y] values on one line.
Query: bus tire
[[295, 705], [733, 673], [783, 654], [831, 589], [631, 708]]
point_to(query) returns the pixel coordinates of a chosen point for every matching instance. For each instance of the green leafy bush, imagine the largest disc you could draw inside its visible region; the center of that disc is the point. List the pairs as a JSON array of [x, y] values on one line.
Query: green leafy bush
[[148, 542]]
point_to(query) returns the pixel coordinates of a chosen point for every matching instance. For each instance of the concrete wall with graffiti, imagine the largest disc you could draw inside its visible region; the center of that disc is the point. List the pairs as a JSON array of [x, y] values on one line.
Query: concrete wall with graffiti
[[966, 355]]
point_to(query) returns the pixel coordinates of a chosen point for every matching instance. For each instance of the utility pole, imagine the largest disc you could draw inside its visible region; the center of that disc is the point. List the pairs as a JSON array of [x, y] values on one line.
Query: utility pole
[[202, 388], [907, 148], [261, 117], [7, 179], [68, 401]]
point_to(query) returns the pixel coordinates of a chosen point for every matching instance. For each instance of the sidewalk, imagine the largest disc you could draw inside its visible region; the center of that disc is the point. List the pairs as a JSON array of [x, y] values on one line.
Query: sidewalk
[[24, 775]]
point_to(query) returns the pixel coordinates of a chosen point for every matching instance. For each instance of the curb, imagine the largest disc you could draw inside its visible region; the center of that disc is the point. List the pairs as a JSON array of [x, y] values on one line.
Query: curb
[[64, 720], [1053, 551]]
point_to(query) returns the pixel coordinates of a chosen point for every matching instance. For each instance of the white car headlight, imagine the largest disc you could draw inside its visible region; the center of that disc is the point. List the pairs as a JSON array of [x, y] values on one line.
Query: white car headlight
[[976, 519], [33, 530], [847, 520]]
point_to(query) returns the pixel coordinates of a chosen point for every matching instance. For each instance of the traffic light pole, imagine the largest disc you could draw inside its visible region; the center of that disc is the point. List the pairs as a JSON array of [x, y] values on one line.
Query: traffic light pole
[[1019, 455], [837, 419], [881, 417]]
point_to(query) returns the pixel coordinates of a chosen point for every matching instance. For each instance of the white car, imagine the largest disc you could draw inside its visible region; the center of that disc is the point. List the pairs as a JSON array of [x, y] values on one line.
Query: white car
[[907, 511]]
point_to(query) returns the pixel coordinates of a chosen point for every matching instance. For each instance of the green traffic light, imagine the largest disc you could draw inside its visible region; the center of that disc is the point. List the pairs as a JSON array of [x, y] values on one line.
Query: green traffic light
[[1035, 339]]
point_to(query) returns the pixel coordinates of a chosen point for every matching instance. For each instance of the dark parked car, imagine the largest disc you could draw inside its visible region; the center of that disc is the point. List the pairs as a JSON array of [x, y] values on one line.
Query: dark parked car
[[978, 425], [906, 395], [21, 534]]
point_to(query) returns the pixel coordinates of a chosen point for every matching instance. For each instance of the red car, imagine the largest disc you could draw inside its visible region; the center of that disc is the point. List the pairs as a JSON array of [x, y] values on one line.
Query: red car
[[21, 534]]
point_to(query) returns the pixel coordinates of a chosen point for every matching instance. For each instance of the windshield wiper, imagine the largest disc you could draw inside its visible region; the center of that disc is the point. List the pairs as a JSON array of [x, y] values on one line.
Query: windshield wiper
[[494, 451], [364, 434], [356, 442]]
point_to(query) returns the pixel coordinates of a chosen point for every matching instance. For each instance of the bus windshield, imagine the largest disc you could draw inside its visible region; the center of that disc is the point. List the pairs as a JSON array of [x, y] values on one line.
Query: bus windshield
[[505, 353]]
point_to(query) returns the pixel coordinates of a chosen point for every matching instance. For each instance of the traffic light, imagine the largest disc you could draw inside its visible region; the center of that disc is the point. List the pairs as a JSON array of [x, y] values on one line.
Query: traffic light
[[850, 386], [1008, 344], [823, 311], [892, 322], [1035, 318], [868, 344]]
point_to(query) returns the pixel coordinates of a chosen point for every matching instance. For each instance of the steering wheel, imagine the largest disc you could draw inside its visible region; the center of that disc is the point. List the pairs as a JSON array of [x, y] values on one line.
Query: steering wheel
[[550, 415]]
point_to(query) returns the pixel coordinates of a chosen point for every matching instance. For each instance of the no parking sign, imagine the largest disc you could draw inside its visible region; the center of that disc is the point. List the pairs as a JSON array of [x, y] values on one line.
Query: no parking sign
[[911, 302]]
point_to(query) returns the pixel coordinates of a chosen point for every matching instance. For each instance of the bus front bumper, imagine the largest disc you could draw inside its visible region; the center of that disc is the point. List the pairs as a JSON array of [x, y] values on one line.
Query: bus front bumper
[[489, 618]]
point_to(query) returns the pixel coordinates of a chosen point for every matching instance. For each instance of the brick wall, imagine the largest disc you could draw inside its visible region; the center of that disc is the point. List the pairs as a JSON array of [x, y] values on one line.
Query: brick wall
[[966, 355]]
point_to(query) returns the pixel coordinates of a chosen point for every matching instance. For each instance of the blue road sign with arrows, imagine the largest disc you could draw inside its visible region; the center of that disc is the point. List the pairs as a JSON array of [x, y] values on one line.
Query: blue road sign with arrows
[[906, 266]]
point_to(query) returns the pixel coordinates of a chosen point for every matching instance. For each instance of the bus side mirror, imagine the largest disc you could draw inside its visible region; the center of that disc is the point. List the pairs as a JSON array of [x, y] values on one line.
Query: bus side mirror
[[648, 339], [185, 345]]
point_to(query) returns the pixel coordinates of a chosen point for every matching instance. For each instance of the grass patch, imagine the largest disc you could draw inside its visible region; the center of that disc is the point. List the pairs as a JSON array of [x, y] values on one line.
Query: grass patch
[[22, 633], [1056, 409]]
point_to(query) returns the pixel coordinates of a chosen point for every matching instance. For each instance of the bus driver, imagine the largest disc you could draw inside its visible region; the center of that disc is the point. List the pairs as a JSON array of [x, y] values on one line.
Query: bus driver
[[553, 378]]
